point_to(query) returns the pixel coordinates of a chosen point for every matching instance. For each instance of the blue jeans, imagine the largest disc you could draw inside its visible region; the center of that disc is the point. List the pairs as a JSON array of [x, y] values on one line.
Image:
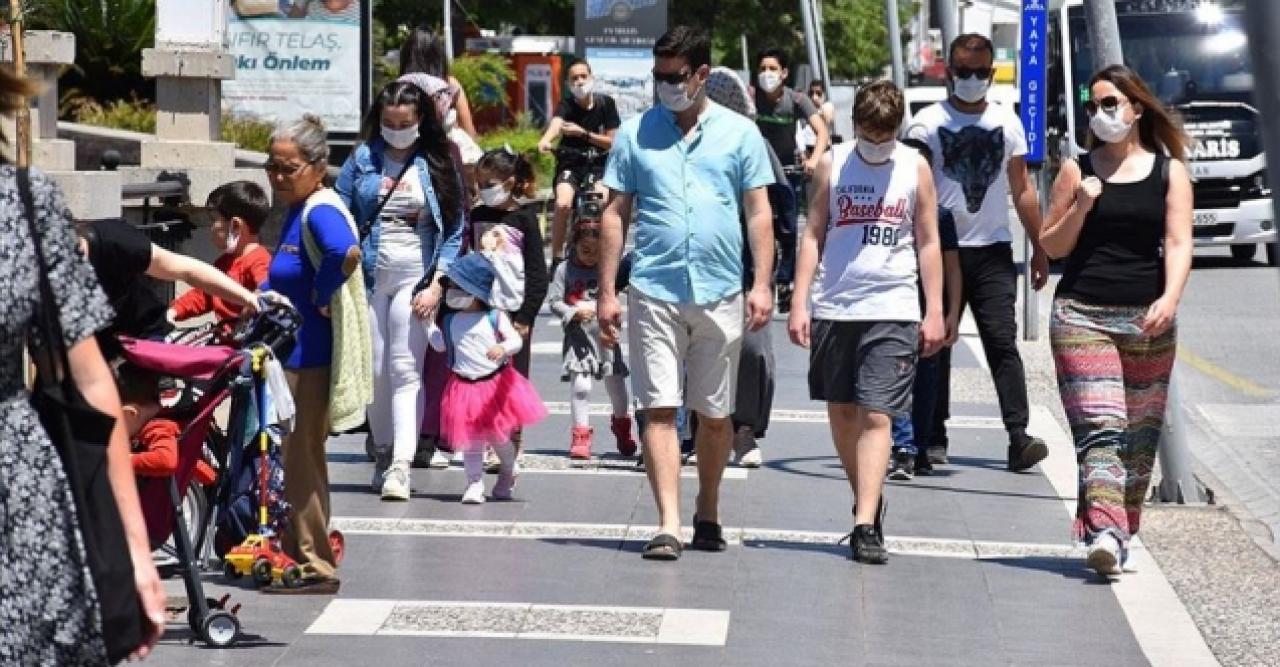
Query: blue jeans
[[924, 405], [786, 206]]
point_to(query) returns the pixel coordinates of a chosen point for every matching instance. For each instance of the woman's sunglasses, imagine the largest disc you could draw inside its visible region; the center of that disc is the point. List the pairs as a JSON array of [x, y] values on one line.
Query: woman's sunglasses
[[284, 169], [1109, 104]]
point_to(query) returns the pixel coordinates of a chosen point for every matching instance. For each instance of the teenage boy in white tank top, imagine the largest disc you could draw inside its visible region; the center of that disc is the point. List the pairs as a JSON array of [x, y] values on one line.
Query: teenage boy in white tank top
[[872, 221]]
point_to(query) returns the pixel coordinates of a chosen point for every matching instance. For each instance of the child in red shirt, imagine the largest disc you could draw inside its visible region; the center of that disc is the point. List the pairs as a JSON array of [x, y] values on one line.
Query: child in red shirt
[[238, 210], [154, 439]]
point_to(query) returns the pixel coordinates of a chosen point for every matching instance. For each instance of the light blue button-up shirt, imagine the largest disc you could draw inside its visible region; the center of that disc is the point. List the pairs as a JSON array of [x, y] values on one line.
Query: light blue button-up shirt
[[688, 195]]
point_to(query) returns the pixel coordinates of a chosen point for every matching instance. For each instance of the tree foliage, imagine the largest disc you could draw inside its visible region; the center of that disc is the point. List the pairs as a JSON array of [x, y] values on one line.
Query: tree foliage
[[110, 37]]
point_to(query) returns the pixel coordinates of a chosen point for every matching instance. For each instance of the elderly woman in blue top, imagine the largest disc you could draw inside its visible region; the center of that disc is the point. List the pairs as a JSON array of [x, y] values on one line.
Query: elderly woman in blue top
[[689, 167], [296, 168], [403, 187]]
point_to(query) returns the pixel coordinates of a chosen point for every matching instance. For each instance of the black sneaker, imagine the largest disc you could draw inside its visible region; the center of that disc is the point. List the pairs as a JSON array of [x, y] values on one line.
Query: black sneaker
[[866, 545], [901, 469], [937, 454], [1025, 454], [923, 466]]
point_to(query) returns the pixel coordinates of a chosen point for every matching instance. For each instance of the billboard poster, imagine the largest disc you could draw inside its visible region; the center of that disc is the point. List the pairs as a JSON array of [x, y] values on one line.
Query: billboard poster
[[297, 56], [616, 37]]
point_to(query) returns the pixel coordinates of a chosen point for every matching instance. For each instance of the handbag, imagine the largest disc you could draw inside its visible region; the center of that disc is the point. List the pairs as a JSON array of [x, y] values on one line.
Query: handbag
[[80, 434]]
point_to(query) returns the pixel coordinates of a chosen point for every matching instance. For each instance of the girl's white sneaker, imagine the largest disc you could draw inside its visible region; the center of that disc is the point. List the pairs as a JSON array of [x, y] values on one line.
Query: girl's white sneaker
[[474, 495]]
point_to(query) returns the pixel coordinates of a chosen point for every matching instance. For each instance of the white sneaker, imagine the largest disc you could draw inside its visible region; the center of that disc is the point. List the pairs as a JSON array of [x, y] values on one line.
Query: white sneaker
[[506, 484], [1126, 561], [1104, 555], [474, 495], [752, 458], [439, 460], [395, 484]]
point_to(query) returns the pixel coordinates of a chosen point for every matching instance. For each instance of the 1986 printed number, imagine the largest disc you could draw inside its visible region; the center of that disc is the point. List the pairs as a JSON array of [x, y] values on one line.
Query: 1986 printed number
[[879, 235]]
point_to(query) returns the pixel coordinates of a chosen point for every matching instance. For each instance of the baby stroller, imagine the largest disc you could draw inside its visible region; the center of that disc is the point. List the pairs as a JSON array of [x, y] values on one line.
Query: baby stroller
[[213, 373]]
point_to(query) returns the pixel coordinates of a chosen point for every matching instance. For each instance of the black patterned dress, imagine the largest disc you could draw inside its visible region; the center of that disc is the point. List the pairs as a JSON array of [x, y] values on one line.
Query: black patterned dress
[[48, 608]]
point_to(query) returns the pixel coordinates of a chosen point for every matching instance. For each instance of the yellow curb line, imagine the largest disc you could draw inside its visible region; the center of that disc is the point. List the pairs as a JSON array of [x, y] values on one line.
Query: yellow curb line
[[1223, 375]]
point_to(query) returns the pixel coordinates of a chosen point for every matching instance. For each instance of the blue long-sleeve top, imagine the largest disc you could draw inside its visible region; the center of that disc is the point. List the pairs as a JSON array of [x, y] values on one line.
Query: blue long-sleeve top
[[309, 289]]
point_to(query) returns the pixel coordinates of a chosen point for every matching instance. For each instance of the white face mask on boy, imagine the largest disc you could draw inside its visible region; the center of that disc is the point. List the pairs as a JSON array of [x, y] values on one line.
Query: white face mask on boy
[[458, 299]]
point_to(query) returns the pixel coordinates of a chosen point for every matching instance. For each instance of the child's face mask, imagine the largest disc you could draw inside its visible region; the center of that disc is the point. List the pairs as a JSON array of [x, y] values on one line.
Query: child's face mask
[[458, 299]]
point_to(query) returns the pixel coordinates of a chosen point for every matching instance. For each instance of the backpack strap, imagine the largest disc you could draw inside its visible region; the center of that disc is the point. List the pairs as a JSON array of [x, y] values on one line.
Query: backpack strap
[[493, 321]]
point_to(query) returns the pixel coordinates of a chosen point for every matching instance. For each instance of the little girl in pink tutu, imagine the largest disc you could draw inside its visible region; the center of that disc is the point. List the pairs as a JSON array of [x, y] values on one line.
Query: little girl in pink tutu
[[485, 399]]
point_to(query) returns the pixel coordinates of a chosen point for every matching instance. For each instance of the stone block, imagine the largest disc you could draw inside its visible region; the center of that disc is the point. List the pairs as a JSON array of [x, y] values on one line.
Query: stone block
[[187, 155], [202, 181], [188, 109], [54, 154], [188, 63], [44, 47], [91, 195]]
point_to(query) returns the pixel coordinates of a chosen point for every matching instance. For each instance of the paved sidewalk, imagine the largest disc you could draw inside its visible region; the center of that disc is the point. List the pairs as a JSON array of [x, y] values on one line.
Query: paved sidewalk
[[982, 571]]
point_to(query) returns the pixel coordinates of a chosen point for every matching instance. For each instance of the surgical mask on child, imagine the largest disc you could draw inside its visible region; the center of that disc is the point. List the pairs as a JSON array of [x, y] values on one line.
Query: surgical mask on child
[[876, 153], [496, 195], [674, 96], [1110, 127], [970, 89], [400, 138], [233, 240], [458, 299], [769, 81], [583, 88]]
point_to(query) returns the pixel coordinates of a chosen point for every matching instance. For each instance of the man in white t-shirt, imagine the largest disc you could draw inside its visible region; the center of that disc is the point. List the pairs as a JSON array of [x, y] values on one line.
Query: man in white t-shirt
[[979, 148]]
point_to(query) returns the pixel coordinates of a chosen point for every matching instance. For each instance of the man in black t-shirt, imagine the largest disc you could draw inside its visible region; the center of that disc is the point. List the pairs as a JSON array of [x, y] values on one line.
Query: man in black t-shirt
[[779, 111], [585, 125], [123, 258]]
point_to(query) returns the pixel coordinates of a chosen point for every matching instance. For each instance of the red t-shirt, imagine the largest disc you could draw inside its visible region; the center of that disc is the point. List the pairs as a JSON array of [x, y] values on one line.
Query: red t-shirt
[[155, 452], [249, 269]]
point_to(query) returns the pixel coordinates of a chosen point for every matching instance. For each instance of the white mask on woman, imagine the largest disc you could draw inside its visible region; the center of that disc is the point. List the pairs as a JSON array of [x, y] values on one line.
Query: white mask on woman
[[876, 153], [494, 196], [400, 138], [458, 299], [1110, 127]]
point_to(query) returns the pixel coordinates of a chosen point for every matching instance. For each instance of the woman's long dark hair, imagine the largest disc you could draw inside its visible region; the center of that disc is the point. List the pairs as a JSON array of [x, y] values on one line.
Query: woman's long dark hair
[[1159, 129], [433, 143], [423, 51]]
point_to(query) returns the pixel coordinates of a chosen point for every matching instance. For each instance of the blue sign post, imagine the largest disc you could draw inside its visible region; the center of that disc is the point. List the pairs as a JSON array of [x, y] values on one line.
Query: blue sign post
[[1031, 76]]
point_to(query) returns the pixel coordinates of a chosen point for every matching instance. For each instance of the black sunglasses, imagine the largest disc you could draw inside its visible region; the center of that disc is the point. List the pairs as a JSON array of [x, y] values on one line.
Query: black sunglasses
[[284, 169], [966, 72], [1108, 104], [673, 79]]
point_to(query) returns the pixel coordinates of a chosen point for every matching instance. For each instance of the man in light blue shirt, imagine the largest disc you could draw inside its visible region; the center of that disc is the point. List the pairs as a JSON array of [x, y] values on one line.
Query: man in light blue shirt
[[691, 169]]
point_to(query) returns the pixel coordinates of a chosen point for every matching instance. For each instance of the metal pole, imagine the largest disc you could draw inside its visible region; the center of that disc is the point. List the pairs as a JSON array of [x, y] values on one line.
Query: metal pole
[[746, 62], [1030, 299], [1104, 33], [824, 73], [1178, 483], [1261, 18], [949, 21], [895, 43], [448, 30], [810, 32]]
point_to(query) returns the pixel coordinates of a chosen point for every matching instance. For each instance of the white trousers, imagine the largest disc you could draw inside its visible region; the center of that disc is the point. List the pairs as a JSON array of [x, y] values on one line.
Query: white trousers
[[399, 347]]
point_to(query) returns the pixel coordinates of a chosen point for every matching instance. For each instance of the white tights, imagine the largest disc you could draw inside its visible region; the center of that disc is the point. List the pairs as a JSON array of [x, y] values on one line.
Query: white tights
[[399, 347], [473, 461], [579, 400]]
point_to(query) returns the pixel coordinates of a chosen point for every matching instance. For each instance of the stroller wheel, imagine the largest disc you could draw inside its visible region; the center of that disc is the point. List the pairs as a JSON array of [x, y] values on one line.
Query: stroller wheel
[[339, 545], [220, 629], [262, 572], [193, 614]]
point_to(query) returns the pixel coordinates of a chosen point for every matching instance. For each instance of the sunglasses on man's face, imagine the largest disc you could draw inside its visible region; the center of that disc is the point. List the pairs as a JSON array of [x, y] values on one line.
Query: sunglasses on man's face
[[1109, 104], [983, 73], [673, 79]]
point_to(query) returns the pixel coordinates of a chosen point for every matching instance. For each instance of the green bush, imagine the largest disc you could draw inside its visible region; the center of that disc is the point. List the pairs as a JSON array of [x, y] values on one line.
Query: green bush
[[484, 77], [110, 37], [523, 138], [140, 116]]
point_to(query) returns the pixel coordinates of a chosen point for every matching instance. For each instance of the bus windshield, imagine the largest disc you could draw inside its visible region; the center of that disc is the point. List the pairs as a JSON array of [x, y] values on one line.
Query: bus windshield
[[1183, 56]]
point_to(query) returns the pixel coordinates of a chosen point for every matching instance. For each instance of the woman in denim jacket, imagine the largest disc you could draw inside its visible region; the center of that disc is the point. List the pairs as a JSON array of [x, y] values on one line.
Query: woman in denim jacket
[[403, 186]]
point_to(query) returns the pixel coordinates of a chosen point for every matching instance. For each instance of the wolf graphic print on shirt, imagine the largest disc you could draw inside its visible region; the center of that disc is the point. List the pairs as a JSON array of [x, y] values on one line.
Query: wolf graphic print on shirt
[[973, 157]]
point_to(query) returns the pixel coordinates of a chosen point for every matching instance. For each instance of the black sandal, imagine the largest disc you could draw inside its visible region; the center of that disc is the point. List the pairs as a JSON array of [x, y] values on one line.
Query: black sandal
[[707, 536], [663, 546]]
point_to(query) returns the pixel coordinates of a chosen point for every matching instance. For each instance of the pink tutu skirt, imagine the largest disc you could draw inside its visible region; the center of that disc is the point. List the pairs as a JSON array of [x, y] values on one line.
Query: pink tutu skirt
[[488, 412]]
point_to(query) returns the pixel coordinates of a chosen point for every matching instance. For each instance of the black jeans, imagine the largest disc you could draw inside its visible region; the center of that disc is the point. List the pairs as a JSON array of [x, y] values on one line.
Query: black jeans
[[990, 289]]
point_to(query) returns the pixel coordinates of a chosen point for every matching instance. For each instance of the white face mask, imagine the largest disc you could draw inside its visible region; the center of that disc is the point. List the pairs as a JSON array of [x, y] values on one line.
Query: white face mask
[[233, 241], [971, 90], [400, 138], [674, 96], [876, 153], [494, 196], [769, 81], [458, 299], [582, 89], [1110, 127]]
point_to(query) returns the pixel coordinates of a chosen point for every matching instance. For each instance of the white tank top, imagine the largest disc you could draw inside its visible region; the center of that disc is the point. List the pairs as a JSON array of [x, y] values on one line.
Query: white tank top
[[868, 269]]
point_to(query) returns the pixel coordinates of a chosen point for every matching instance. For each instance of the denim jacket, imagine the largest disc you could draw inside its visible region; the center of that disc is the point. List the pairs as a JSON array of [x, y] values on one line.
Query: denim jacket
[[359, 185]]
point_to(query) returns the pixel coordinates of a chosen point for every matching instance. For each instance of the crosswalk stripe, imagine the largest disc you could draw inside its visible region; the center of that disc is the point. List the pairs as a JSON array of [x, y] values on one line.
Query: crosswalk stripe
[[790, 415]]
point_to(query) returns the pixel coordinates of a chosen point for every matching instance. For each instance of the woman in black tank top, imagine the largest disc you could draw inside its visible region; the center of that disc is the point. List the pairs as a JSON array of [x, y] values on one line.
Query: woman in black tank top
[[1121, 218]]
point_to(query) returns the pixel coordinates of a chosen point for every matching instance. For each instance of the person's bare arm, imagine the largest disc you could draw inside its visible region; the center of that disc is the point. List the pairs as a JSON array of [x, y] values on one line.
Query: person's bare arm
[[93, 378], [608, 309], [760, 237], [822, 140], [1027, 202], [166, 265], [463, 107], [1070, 201], [811, 241], [601, 140], [929, 251], [1179, 207], [953, 287], [553, 132]]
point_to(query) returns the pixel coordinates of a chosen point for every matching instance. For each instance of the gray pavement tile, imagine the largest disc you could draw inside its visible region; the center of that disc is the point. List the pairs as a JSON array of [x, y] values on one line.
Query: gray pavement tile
[[489, 619], [319, 651], [593, 622]]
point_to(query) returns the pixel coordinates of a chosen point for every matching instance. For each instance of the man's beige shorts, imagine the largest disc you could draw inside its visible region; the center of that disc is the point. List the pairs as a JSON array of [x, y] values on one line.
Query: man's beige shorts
[[685, 354]]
